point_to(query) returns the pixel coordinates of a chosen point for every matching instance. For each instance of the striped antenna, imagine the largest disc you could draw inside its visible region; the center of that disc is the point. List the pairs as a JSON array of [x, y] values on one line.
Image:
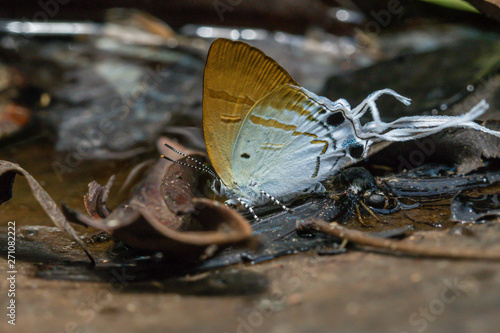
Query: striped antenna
[[203, 166]]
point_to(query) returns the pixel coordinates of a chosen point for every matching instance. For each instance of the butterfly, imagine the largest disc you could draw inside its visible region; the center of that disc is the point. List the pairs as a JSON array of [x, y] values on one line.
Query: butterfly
[[270, 140]]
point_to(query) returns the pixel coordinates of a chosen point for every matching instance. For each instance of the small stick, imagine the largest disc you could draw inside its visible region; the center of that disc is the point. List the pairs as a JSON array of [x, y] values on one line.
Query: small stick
[[360, 238]]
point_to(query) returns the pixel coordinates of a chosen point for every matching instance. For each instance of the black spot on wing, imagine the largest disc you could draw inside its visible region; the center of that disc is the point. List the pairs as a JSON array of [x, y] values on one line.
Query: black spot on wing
[[356, 150], [245, 155], [335, 119]]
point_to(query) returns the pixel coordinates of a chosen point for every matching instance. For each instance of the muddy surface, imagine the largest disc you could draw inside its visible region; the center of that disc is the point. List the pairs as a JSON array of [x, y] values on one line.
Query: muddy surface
[[305, 292], [301, 293]]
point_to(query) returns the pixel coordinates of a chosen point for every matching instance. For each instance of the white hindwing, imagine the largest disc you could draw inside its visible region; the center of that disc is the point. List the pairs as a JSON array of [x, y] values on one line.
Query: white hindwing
[[290, 141]]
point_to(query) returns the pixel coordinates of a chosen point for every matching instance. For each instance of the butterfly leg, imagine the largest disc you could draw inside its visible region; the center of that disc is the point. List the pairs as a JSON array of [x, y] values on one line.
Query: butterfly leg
[[370, 211], [276, 201], [360, 217], [232, 203], [249, 208]]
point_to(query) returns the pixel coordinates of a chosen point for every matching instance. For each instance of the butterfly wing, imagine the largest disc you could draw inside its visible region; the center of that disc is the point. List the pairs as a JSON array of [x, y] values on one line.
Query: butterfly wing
[[302, 138], [236, 76]]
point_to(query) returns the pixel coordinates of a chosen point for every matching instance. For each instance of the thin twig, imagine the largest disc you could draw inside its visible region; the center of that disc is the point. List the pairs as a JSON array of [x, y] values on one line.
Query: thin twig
[[360, 238]]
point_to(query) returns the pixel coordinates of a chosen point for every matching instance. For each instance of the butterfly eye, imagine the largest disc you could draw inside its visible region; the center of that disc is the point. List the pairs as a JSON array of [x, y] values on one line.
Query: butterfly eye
[[216, 186], [356, 150], [335, 119]]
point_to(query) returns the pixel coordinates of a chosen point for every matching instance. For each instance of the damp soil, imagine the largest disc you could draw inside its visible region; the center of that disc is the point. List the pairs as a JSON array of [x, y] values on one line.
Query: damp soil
[[313, 290], [64, 176]]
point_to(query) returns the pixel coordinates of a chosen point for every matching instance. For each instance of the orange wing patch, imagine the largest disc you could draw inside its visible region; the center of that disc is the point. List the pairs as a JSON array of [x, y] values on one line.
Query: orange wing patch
[[319, 142], [225, 118], [271, 123], [272, 146], [304, 133]]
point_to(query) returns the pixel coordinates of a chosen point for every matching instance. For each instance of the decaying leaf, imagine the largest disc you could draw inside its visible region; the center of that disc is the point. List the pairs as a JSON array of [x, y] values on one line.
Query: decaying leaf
[[464, 149], [8, 171], [189, 229], [178, 186], [419, 184], [96, 198]]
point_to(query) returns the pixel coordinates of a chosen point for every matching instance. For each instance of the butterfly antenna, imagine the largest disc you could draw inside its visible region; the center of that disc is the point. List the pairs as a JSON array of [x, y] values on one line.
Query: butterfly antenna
[[189, 165], [203, 166]]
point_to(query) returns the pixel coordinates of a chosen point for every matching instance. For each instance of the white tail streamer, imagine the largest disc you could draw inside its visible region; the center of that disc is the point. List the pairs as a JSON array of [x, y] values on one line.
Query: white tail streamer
[[412, 127]]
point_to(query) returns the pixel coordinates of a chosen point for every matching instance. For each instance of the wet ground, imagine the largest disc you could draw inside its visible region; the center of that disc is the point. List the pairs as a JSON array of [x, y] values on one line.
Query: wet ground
[[306, 292], [356, 291]]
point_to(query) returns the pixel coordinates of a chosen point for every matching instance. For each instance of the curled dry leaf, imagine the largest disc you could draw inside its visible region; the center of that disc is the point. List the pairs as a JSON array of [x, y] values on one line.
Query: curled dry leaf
[[96, 198], [8, 172], [178, 186], [188, 229]]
